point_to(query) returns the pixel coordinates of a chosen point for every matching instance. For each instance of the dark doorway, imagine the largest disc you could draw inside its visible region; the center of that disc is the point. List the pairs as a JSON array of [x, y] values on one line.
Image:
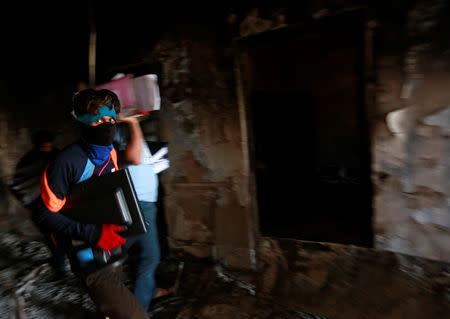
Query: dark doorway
[[305, 97]]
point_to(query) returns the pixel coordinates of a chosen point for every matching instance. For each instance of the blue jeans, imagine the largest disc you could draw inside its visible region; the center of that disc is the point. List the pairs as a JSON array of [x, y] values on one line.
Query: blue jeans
[[144, 255]]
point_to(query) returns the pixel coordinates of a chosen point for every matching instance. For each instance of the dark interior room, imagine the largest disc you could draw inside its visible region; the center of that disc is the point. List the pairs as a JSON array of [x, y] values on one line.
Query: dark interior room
[[285, 161]]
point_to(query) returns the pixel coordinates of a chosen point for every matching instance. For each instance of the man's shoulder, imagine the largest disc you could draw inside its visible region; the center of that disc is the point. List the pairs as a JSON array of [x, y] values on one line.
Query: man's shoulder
[[73, 153], [72, 149]]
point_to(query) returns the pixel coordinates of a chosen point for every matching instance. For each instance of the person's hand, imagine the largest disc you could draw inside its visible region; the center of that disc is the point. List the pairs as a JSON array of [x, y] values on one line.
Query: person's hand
[[109, 239]]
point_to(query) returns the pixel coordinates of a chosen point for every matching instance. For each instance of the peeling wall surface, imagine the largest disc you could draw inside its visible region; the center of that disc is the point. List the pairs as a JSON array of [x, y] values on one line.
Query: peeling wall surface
[[207, 185], [204, 201], [410, 139]]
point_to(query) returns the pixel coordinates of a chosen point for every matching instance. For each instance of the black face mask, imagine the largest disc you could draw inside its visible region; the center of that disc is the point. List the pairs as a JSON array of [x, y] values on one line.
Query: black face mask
[[102, 134]]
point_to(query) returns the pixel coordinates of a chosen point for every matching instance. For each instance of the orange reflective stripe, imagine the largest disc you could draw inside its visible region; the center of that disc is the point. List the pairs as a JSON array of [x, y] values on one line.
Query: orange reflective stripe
[[114, 159], [50, 200]]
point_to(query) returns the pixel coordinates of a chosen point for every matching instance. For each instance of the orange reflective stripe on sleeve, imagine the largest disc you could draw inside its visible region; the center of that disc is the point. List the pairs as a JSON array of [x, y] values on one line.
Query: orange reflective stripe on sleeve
[[51, 201], [114, 159]]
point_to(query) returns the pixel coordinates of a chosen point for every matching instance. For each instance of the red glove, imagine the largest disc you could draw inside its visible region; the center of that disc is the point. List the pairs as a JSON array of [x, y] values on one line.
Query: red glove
[[109, 239]]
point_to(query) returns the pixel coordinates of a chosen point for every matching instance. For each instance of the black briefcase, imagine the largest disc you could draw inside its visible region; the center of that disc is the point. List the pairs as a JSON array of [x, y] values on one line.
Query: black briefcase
[[107, 199]]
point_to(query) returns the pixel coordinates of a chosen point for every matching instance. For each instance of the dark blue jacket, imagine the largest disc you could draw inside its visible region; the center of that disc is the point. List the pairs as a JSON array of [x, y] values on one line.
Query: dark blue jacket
[[60, 175]]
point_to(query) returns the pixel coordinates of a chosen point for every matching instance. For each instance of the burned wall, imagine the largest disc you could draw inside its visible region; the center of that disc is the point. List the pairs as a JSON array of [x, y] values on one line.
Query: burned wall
[[205, 194], [207, 185], [410, 145]]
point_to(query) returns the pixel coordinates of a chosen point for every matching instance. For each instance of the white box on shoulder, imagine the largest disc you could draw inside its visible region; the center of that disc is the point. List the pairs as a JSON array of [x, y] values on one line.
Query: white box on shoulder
[[146, 92]]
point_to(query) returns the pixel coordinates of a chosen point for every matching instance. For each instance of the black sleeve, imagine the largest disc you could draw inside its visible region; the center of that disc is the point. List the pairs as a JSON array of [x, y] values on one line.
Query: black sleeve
[[62, 225]]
